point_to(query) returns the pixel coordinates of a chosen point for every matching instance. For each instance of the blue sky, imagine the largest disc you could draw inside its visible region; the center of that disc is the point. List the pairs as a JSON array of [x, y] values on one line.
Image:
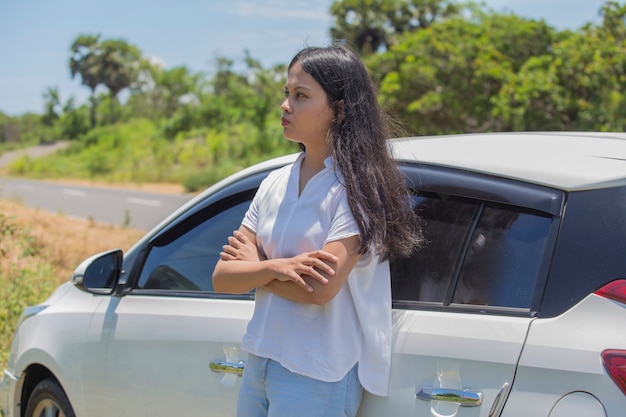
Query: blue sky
[[35, 35]]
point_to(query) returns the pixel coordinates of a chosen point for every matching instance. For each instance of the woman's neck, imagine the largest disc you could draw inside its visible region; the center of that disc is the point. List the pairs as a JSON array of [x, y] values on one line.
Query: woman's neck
[[312, 163], [314, 157]]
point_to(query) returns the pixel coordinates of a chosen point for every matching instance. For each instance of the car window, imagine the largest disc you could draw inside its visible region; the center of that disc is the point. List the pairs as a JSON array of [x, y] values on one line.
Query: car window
[[475, 253], [186, 263]]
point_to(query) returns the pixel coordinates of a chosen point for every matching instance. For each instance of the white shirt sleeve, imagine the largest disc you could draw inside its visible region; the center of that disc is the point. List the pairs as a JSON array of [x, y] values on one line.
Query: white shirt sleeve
[[343, 223]]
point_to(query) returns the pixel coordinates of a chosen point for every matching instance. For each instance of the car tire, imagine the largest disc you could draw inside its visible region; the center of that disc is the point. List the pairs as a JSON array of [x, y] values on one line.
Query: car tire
[[48, 399]]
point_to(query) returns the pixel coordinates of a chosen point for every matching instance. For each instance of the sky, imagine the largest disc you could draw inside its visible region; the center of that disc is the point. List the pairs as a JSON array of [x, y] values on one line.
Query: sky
[[36, 35]]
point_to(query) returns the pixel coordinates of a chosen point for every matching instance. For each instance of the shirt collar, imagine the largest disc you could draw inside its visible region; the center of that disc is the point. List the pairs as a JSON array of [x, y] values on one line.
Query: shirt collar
[[329, 162]]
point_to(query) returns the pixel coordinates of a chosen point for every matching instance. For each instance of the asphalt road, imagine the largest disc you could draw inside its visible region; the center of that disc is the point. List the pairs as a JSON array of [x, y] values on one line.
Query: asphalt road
[[136, 209]]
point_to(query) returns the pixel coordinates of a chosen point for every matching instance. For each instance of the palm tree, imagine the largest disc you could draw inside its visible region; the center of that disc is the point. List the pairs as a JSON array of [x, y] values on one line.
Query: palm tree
[[85, 61], [371, 25]]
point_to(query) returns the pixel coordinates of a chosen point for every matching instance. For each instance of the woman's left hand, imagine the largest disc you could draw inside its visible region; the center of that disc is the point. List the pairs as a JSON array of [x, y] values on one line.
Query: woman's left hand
[[240, 248]]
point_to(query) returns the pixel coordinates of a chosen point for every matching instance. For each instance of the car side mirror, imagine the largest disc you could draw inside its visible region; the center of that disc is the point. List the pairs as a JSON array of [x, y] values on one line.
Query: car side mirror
[[99, 274]]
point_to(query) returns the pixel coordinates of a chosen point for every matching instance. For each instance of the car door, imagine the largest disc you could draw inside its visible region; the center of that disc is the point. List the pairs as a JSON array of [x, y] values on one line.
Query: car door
[[462, 307], [171, 346]]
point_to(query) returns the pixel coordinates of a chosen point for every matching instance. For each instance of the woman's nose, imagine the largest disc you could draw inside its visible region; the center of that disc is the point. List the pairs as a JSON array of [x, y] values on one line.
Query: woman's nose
[[285, 106]]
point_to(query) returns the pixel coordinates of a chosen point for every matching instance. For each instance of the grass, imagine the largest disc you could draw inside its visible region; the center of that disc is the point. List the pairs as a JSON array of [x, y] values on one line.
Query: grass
[[39, 251]]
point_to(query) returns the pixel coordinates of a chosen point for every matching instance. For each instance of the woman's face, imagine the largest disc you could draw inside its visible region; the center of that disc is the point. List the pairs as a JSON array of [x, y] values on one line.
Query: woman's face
[[306, 115]]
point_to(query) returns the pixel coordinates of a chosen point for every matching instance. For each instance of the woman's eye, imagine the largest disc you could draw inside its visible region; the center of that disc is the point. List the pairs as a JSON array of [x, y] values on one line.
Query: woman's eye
[[297, 95]]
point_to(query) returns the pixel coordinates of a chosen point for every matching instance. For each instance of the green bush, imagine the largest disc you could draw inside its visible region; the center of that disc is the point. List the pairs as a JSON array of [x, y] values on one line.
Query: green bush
[[25, 279], [139, 152]]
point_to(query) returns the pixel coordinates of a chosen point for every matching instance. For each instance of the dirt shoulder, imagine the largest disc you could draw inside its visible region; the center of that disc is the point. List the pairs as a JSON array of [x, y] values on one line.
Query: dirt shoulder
[[160, 188]]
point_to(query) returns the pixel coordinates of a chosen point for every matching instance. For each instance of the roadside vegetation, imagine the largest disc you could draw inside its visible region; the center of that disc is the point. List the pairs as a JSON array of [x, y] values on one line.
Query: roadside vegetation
[[442, 67], [39, 251]]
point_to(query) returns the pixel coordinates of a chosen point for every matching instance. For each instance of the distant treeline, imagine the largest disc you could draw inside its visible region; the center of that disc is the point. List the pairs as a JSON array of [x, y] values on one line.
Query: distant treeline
[[441, 67]]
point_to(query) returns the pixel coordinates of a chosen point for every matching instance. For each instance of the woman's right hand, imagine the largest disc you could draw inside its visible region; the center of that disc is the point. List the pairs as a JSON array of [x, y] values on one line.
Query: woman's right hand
[[309, 264]]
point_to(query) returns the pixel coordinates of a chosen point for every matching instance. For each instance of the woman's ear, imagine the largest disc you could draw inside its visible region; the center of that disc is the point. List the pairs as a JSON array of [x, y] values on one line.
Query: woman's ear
[[340, 110]]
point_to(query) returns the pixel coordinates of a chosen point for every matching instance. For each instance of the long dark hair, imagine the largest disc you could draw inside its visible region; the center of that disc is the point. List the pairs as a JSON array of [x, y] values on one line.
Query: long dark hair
[[377, 196]]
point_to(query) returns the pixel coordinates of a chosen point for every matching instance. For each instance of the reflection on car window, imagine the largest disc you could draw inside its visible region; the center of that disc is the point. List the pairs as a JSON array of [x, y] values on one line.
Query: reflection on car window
[[426, 275], [475, 253], [187, 262]]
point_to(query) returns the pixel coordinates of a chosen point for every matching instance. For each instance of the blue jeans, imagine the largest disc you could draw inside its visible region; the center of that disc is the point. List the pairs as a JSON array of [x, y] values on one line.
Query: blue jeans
[[269, 390]]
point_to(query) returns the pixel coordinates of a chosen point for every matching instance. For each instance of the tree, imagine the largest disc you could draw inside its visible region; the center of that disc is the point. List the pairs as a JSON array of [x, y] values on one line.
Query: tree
[[266, 91], [169, 95], [119, 67], [579, 84], [113, 63], [613, 19], [374, 24], [9, 129], [442, 79], [52, 103], [74, 121], [174, 87], [251, 96], [85, 62]]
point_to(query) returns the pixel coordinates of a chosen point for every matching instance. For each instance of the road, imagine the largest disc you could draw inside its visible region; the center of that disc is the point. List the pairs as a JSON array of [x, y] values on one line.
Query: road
[[33, 152], [136, 209]]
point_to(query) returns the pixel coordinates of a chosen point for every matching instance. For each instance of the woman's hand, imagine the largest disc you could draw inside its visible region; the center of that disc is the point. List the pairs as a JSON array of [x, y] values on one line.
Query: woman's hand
[[311, 264], [240, 248], [344, 254]]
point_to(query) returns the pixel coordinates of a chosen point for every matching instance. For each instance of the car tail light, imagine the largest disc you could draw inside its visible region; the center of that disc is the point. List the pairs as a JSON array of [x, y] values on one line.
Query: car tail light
[[614, 362], [615, 290]]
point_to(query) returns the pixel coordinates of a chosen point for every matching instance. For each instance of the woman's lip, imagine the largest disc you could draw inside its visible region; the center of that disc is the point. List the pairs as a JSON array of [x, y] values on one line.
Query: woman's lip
[[284, 121]]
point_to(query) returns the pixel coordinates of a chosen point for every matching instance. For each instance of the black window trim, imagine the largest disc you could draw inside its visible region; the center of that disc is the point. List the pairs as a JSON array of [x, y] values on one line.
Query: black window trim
[[470, 184]]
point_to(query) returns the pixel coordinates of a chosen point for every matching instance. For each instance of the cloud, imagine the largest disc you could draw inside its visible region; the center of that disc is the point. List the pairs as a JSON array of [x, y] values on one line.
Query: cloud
[[282, 9], [156, 61]]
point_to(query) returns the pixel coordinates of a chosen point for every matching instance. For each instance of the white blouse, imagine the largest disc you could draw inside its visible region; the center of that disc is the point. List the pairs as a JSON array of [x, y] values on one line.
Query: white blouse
[[319, 341]]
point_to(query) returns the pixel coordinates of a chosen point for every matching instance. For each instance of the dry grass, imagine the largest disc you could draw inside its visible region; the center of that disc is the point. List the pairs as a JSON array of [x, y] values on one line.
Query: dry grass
[[164, 188], [61, 241], [40, 250]]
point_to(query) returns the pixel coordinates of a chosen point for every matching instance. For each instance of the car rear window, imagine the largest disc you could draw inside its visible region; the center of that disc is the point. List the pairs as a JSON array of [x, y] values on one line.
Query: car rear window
[[476, 253]]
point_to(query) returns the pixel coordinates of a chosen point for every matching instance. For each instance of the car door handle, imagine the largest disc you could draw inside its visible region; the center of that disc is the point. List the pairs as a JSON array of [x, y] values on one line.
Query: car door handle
[[463, 397], [227, 367]]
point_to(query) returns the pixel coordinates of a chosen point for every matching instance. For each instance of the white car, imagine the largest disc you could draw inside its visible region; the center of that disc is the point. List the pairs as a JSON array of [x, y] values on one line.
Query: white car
[[515, 308]]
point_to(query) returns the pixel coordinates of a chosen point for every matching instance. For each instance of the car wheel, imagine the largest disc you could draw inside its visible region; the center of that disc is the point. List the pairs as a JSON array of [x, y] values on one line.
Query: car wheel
[[48, 399]]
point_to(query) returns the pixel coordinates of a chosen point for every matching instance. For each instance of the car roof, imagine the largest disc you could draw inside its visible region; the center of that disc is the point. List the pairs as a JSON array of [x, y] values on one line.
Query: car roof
[[564, 160]]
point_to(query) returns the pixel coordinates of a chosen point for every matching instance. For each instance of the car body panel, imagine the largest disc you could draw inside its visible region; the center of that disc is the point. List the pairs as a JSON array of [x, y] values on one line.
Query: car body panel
[[567, 161], [559, 359], [152, 346], [578, 404], [448, 350], [61, 351]]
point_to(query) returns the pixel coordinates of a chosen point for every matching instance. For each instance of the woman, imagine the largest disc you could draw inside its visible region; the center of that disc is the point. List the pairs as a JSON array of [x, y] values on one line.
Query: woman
[[315, 245]]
